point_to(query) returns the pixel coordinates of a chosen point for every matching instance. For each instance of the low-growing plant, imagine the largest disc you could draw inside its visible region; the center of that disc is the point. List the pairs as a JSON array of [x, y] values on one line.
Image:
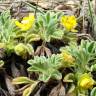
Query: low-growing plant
[[7, 27], [26, 24], [75, 63], [84, 55], [69, 24], [47, 26], [47, 68], [7, 31]]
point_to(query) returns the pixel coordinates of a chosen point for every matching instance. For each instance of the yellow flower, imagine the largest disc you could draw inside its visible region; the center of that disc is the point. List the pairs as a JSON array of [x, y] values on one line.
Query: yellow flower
[[69, 22], [86, 81], [26, 22], [66, 57]]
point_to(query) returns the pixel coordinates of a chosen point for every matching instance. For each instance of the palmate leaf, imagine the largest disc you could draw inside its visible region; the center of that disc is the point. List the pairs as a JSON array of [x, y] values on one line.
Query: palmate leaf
[[47, 67], [88, 45], [47, 26], [54, 61], [39, 67], [7, 27], [37, 60]]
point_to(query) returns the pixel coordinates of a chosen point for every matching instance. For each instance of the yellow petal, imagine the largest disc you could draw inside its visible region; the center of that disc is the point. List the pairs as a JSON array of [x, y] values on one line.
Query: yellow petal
[[26, 22], [69, 22], [18, 24]]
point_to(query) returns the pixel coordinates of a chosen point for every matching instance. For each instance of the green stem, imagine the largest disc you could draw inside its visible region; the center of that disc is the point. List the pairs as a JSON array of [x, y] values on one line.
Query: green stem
[[44, 43], [91, 14]]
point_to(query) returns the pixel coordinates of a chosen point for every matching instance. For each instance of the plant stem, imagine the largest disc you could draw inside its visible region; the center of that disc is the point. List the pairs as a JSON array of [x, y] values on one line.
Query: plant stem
[[91, 14], [36, 7], [44, 43]]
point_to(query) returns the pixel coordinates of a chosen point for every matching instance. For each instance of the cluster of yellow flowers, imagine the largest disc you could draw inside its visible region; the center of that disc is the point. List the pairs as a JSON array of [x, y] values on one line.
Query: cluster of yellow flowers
[[85, 81], [69, 23], [26, 22]]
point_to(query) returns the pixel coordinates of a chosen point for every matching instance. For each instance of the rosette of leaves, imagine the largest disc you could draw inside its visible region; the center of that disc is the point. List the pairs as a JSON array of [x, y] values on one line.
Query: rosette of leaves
[[83, 54], [47, 26], [29, 85], [6, 27], [7, 31], [47, 68]]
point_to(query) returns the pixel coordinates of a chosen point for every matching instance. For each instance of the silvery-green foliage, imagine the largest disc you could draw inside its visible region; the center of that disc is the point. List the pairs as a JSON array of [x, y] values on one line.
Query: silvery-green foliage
[[46, 67]]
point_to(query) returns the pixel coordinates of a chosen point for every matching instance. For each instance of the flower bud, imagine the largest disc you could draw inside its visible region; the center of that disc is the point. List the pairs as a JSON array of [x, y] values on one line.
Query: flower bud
[[67, 57], [20, 49]]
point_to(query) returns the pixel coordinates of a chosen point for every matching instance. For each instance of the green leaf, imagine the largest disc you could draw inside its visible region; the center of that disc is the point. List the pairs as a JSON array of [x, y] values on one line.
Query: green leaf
[[22, 80], [32, 37], [83, 54], [44, 77], [7, 27], [48, 17], [91, 47], [72, 89], [69, 77], [30, 49], [30, 89], [57, 34], [47, 25], [93, 92], [46, 67], [56, 74], [1, 63], [93, 67]]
